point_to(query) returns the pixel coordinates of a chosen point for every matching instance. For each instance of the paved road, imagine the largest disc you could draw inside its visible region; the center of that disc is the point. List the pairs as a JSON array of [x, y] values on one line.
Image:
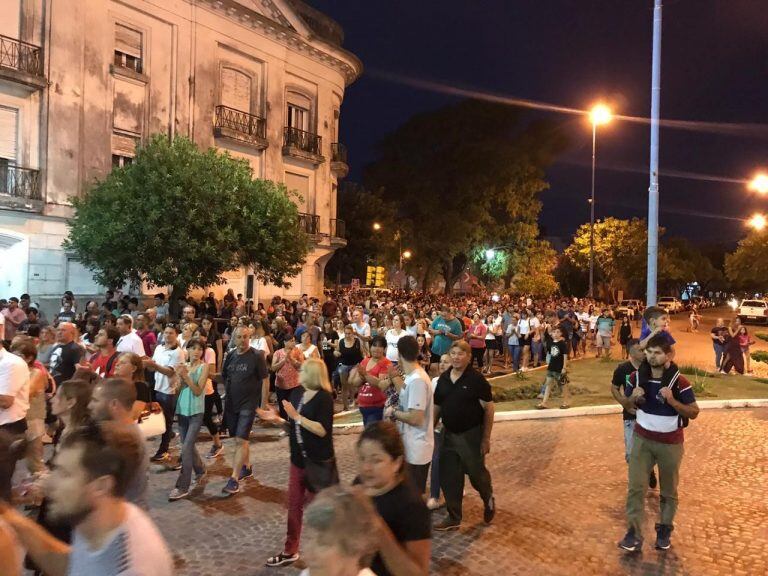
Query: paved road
[[560, 489]]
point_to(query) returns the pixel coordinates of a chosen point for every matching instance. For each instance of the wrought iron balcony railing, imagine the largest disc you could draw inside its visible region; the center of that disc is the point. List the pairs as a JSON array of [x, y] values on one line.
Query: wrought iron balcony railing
[[339, 153], [21, 56], [240, 125], [338, 228], [305, 141], [19, 182], [310, 223]]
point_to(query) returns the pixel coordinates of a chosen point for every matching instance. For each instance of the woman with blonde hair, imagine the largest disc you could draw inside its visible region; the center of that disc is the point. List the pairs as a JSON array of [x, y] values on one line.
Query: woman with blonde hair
[[313, 463]]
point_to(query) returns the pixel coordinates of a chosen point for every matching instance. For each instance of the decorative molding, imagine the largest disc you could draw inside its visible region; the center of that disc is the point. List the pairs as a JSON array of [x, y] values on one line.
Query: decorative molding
[[281, 30]]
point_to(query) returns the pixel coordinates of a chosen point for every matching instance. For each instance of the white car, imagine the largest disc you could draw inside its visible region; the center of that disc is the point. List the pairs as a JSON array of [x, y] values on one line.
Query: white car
[[671, 304], [753, 311], [628, 308]]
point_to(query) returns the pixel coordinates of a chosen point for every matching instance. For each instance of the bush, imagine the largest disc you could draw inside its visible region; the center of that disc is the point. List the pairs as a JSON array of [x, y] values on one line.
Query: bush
[[759, 356], [762, 336], [529, 392], [691, 370]]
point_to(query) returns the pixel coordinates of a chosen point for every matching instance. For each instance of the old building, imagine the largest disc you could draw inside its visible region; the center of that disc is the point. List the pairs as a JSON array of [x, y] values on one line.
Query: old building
[[82, 82]]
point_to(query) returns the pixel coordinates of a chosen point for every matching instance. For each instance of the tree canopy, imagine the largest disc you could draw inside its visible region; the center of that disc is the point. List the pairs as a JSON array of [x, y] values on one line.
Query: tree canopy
[[746, 267], [463, 177], [182, 217]]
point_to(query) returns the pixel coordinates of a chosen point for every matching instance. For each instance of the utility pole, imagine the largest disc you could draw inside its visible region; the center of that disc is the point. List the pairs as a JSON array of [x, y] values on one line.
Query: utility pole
[[653, 190]]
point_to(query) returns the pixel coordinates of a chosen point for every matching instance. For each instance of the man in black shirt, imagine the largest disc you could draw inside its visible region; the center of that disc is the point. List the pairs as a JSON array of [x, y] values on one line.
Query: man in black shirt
[[618, 383], [464, 401], [244, 373], [557, 352], [67, 353]]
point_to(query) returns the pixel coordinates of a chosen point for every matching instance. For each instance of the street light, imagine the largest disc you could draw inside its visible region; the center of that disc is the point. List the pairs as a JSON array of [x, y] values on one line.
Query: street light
[[759, 183], [758, 222], [407, 255], [490, 254], [376, 226], [598, 116]]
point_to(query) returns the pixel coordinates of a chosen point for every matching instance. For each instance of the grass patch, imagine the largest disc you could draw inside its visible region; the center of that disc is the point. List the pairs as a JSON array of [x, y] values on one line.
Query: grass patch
[[762, 336], [759, 356], [691, 370]]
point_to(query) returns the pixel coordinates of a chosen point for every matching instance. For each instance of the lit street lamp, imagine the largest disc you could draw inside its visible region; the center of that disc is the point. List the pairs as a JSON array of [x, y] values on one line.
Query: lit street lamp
[[759, 183], [490, 254], [758, 222], [376, 226], [599, 116]]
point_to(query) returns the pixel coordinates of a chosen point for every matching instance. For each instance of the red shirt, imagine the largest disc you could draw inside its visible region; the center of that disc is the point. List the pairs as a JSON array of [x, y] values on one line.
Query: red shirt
[[370, 396], [149, 340], [99, 362]]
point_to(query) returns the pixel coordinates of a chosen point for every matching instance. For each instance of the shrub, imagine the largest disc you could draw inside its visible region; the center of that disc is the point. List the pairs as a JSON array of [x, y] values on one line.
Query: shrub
[[759, 356]]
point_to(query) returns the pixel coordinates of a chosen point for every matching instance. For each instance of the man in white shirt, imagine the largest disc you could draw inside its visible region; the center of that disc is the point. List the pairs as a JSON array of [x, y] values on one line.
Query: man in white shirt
[[164, 361], [14, 404], [129, 341], [87, 490], [414, 413], [362, 329]]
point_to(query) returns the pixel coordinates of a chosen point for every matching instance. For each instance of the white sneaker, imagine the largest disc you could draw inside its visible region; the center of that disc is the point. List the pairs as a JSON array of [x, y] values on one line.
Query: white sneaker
[[433, 504]]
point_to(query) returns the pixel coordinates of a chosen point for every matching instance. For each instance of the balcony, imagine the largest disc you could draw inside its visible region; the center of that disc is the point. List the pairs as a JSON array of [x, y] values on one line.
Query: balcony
[[303, 145], [22, 63], [339, 164], [20, 188], [338, 232], [241, 127], [309, 223]]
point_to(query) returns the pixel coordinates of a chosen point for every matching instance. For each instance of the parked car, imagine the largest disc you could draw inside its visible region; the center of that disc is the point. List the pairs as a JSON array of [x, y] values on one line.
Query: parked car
[[671, 304], [629, 308], [755, 311]]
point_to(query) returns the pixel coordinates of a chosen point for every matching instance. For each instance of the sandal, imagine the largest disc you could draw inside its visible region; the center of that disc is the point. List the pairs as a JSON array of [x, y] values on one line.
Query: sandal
[[541, 407], [564, 406]]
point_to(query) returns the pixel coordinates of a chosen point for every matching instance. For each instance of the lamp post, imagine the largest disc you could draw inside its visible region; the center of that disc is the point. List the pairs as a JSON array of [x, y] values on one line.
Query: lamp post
[[758, 222], [599, 115], [653, 188], [759, 183]]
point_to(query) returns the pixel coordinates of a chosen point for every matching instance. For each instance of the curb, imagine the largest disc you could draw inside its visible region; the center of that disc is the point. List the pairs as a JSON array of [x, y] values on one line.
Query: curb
[[519, 415]]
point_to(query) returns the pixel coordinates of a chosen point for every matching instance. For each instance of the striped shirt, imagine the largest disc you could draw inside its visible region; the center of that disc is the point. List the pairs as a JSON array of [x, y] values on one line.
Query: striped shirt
[[656, 419]]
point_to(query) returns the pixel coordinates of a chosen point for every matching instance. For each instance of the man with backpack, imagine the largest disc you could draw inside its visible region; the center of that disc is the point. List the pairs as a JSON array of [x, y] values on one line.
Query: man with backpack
[[665, 402]]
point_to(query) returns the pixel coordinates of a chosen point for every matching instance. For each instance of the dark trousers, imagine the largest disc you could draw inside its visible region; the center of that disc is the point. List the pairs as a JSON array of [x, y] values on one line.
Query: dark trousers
[[210, 402], [168, 404], [371, 414], [293, 395], [477, 356], [459, 456], [418, 474], [13, 433]]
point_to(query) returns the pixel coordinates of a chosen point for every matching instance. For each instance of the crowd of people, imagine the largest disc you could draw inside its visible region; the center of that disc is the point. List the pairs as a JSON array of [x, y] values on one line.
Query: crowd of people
[[96, 378]]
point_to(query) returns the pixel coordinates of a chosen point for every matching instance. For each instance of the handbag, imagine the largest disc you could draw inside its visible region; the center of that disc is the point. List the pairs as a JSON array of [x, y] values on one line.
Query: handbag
[[152, 425], [319, 474]]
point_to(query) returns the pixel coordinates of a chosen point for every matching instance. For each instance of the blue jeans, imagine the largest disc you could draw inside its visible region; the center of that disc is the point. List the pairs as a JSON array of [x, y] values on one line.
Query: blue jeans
[[536, 348], [434, 480], [719, 351], [189, 426], [168, 403], [514, 352], [629, 436], [371, 414]]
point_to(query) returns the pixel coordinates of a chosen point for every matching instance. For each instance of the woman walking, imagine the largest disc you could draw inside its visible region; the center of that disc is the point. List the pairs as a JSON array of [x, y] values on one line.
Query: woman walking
[[373, 372], [625, 334], [313, 463], [190, 409], [476, 336]]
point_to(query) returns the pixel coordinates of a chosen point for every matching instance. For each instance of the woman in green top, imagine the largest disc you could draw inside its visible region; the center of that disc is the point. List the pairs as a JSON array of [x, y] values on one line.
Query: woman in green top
[[190, 409]]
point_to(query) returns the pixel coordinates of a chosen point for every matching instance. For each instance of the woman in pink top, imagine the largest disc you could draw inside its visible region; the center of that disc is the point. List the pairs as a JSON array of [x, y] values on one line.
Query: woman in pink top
[[374, 372], [286, 363], [476, 336]]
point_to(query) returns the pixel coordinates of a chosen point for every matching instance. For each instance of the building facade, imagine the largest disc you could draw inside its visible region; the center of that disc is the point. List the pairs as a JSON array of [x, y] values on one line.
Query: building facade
[[83, 82]]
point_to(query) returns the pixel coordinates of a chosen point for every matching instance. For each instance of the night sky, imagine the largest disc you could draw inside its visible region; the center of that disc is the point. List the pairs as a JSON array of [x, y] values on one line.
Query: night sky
[[572, 53]]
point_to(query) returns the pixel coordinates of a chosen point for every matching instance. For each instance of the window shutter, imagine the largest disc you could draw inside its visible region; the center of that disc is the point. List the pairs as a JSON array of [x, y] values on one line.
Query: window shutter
[[235, 90], [128, 41], [9, 122]]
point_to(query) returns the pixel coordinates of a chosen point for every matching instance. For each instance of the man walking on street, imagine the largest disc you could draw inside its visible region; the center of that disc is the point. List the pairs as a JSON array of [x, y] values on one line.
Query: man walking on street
[[464, 402], [665, 402], [244, 373], [619, 384], [14, 404]]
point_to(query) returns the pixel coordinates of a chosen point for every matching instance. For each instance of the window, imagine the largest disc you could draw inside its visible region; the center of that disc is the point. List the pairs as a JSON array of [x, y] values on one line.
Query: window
[[121, 161], [9, 122], [128, 53], [236, 89], [298, 117]]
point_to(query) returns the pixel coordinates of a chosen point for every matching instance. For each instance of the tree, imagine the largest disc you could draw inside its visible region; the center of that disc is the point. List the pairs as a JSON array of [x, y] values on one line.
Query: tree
[[465, 176], [620, 253], [360, 209], [681, 263], [746, 266], [536, 268], [182, 217]]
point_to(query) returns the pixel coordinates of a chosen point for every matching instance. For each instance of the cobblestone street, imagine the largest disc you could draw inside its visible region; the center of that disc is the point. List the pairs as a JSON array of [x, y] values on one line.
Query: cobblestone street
[[560, 487]]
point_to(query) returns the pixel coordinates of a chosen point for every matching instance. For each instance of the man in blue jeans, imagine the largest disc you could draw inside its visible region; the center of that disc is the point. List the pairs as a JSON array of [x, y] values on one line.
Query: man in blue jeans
[[719, 336], [244, 373], [164, 361]]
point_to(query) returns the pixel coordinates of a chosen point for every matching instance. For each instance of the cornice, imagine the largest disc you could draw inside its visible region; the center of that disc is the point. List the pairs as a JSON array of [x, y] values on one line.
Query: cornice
[[280, 29]]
